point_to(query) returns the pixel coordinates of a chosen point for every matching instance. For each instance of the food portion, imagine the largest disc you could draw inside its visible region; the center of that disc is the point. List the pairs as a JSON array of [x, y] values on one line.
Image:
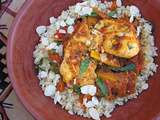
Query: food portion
[[119, 84], [94, 56], [120, 38], [104, 43]]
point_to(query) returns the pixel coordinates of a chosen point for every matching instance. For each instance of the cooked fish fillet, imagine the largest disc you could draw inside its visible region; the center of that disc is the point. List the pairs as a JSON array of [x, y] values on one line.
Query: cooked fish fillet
[[119, 37], [74, 52]]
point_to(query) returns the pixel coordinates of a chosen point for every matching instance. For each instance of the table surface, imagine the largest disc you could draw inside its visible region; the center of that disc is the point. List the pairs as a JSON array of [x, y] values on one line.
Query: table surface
[[12, 6]]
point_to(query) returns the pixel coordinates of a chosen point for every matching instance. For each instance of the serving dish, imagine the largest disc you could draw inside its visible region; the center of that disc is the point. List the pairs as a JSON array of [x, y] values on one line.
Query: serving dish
[[21, 68]]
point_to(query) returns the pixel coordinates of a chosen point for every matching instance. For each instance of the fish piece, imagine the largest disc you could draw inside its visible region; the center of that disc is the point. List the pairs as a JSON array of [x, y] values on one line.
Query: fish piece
[[119, 37], [74, 52], [127, 47], [119, 84]]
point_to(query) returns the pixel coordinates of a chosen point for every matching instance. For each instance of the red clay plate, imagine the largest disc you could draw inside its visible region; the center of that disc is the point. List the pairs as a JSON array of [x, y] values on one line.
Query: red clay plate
[[21, 43]]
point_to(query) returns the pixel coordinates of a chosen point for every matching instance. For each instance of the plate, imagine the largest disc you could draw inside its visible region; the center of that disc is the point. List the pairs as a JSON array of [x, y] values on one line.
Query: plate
[[21, 43]]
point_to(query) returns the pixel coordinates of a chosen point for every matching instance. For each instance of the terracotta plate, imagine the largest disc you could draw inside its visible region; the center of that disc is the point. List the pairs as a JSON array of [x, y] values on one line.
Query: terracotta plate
[[21, 43]]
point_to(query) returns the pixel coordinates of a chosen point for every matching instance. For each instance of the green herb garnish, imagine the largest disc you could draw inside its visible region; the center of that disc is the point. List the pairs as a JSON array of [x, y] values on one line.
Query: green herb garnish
[[76, 88], [102, 86], [129, 67], [112, 13], [84, 65], [54, 67], [58, 42], [130, 46], [93, 14]]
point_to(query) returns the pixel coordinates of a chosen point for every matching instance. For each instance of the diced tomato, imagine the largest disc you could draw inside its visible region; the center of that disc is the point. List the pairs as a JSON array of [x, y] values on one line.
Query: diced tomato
[[89, 97], [61, 86], [113, 6], [81, 96], [55, 57], [103, 30], [67, 36], [65, 28], [60, 36], [70, 83], [64, 36]]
